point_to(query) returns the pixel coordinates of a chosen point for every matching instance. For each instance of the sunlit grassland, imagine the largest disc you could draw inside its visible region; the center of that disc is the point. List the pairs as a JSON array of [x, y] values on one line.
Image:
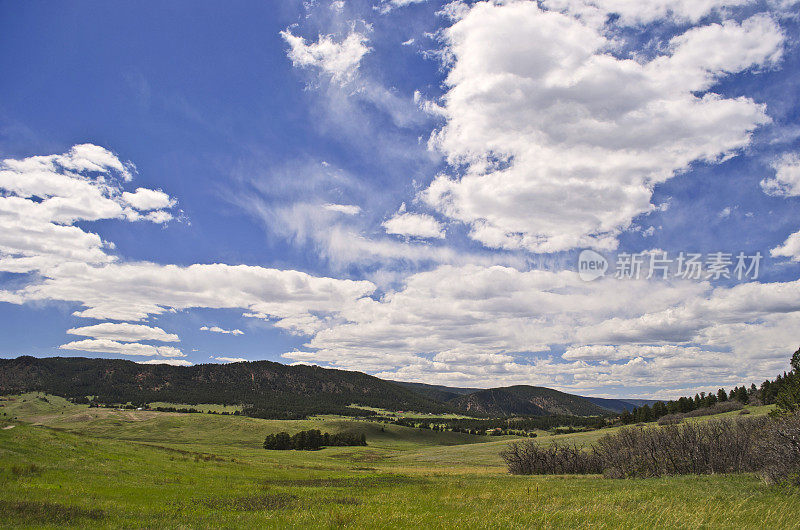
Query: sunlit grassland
[[200, 407], [83, 467], [427, 416]]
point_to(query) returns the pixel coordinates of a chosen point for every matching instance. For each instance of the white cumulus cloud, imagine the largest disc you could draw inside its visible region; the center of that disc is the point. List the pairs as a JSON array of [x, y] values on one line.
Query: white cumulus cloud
[[42, 197], [786, 182], [144, 199], [414, 225], [499, 326], [634, 13], [789, 249], [231, 359], [171, 362], [124, 332], [135, 291], [561, 142], [120, 348], [217, 329]]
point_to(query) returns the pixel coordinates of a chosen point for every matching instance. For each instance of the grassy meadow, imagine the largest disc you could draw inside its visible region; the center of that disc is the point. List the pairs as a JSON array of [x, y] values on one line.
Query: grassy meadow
[[68, 465]]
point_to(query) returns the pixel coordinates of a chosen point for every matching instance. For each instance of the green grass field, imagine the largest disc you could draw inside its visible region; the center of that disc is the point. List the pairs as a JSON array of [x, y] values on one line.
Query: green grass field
[[201, 407], [69, 465]]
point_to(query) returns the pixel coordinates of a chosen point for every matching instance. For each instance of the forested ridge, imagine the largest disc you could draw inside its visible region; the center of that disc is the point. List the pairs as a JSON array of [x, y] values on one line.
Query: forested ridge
[[523, 400], [268, 389]]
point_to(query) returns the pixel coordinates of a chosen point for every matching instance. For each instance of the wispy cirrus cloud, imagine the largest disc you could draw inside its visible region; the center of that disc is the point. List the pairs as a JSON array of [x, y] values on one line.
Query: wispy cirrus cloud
[[387, 6], [346, 209], [337, 58]]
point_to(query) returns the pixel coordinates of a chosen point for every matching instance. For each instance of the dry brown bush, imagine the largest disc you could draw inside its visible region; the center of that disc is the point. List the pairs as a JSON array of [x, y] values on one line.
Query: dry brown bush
[[778, 451], [765, 445]]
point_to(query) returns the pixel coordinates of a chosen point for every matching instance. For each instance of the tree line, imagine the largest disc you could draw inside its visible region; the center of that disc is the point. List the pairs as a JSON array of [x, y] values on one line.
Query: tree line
[[312, 440], [520, 426]]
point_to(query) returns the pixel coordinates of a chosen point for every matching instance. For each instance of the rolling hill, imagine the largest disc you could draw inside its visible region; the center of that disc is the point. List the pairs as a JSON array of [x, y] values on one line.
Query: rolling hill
[[525, 400], [438, 392], [620, 405], [448, 393]]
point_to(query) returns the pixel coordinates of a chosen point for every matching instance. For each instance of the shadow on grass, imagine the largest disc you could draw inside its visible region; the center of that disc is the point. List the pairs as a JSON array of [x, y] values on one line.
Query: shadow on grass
[[46, 512], [363, 456]]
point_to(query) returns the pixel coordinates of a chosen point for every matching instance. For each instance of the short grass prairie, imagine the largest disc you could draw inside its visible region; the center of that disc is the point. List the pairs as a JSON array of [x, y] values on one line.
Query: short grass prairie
[[67, 465]]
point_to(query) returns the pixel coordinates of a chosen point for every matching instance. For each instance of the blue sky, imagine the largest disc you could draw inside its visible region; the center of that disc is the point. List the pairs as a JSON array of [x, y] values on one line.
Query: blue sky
[[403, 187]]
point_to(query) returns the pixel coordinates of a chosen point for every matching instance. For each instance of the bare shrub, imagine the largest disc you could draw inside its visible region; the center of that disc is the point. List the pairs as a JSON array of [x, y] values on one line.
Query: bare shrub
[[530, 458], [718, 408], [718, 446], [778, 451], [670, 419]]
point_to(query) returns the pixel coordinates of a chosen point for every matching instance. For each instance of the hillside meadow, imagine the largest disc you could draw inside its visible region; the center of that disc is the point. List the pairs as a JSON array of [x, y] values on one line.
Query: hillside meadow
[[68, 465]]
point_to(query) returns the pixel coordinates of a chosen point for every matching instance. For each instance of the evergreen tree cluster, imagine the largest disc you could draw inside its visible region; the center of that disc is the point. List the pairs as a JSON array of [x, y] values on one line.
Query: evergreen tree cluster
[[787, 395], [312, 440]]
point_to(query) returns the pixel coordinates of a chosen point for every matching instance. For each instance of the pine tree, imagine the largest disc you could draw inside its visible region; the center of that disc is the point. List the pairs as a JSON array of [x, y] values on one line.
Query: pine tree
[[788, 399]]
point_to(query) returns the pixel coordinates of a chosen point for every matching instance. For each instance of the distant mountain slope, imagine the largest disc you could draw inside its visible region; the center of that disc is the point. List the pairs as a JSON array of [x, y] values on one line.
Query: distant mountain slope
[[616, 405], [448, 393], [276, 390], [622, 404], [525, 401], [641, 402], [438, 392]]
